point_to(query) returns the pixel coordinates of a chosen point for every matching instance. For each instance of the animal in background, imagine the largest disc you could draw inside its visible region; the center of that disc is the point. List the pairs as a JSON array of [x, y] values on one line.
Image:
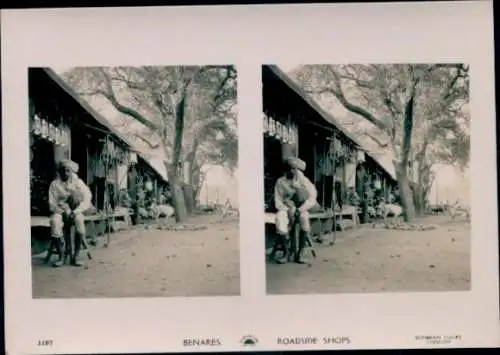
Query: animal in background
[[161, 213], [386, 212], [437, 209], [163, 210], [457, 210], [228, 210]]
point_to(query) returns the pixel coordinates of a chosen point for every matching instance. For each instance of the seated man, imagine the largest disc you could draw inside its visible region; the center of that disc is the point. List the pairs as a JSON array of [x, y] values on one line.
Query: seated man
[[294, 195], [69, 197]]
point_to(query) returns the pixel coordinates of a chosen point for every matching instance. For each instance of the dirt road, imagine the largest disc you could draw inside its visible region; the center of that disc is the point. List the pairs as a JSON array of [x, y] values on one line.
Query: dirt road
[[151, 263], [371, 260]]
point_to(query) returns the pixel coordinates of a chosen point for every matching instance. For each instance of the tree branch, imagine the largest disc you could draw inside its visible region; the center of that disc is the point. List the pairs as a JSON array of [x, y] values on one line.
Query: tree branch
[[350, 74], [447, 65], [125, 80], [147, 141], [109, 94], [230, 75], [339, 94], [379, 142]]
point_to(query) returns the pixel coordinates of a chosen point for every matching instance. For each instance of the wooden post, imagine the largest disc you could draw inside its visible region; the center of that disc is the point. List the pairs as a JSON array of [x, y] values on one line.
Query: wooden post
[[87, 162], [156, 189], [106, 196], [344, 180], [384, 187], [323, 176], [132, 190], [361, 191], [334, 158], [315, 165], [366, 188]]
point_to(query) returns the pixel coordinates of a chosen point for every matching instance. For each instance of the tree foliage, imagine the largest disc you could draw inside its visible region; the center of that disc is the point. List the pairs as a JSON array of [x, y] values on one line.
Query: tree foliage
[[418, 112], [189, 112]]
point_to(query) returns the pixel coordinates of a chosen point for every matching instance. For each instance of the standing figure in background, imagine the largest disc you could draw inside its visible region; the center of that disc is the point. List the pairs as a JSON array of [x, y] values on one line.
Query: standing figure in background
[[294, 195], [69, 197], [226, 209]]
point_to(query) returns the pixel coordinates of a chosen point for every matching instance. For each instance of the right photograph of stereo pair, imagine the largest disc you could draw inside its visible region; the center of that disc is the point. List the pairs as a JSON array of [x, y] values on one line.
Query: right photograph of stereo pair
[[366, 177]]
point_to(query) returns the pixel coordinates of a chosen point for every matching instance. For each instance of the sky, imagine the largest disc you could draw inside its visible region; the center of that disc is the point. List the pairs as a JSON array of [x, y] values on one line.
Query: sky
[[219, 186]]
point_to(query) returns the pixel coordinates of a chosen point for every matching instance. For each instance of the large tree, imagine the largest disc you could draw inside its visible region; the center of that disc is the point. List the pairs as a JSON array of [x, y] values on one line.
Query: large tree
[[415, 111], [188, 112]]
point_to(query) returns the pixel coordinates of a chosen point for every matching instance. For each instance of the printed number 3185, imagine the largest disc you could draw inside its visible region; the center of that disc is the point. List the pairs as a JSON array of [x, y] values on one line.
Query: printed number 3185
[[45, 342]]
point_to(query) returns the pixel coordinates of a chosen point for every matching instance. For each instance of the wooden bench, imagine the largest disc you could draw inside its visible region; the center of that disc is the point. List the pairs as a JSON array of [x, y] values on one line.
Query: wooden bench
[[351, 212], [95, 224], [321, 222]]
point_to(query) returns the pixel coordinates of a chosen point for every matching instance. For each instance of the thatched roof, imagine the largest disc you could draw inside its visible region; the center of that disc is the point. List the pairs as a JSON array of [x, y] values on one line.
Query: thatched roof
[[157, 166], [384, 164], [327, 117]]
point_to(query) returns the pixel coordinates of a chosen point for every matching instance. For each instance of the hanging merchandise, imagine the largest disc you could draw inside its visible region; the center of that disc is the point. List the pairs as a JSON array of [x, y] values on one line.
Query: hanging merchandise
[[278, 130], [62, 140], [353, 155], [291, 139], [295, 133], [109, 151], [45, 129], [57, 136], [65, 137], [272, 127], [265, 123], [148, 185], [121, 172], [331, 148], [52, 132], [112, 149], [284, 133], [338, 147], [377, 184], [349, 154], [123, 156], [336, 151], [328, 165], [337, 177], [133, 158], [350, 169], [361, 156], [118, 154], [37, 125]]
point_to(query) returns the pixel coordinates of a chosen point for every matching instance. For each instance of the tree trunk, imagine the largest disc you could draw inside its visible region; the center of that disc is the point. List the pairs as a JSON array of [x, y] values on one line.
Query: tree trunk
[[178, 198], [197, 194], [405, 192], [189, 199], [419, 201], [193, 187], [132, 191], [178, 202]]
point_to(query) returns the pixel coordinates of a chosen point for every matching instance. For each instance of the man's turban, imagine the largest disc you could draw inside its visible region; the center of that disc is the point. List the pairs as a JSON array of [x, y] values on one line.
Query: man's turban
[[68, 164], [296, 163]]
